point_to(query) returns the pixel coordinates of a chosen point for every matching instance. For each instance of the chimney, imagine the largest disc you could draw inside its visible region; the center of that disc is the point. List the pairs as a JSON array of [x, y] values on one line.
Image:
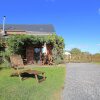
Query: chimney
[[3, 30]]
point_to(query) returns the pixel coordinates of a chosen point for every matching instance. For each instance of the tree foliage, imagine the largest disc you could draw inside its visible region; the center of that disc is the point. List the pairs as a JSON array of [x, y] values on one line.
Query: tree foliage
[[97, 54], [75, 51]]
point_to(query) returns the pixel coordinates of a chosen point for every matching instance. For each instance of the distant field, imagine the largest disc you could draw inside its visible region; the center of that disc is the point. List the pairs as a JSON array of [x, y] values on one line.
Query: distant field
[[12, 89]]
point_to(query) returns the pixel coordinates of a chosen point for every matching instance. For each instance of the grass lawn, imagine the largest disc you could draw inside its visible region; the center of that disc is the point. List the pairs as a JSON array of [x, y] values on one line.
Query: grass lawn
[[12, 89], [96, 63]]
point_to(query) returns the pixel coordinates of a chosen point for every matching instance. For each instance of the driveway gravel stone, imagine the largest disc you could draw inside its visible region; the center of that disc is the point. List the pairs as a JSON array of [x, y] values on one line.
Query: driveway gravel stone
[[82, 82]]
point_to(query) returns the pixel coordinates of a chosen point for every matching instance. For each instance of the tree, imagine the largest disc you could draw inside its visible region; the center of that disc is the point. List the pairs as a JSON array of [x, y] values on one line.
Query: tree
[[86, 53], [75, 51], [97, 54]]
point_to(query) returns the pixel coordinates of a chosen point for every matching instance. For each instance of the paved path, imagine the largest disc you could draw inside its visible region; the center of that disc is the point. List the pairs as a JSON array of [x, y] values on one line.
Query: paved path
[[82, 82]]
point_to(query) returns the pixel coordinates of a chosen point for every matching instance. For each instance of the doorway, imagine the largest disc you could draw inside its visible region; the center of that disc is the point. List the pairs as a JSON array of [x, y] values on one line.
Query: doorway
[[37, 53]]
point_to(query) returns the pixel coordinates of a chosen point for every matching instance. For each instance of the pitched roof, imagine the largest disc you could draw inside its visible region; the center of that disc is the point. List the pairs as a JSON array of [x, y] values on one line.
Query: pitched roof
[[30, 27]]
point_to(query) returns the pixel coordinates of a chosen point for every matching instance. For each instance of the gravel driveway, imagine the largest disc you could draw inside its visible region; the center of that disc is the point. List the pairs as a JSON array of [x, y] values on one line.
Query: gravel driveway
[[82, 82]]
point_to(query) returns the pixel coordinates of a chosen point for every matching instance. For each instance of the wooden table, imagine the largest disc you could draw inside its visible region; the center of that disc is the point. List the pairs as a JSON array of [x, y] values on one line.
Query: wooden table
[[36, 73], [32, 72]]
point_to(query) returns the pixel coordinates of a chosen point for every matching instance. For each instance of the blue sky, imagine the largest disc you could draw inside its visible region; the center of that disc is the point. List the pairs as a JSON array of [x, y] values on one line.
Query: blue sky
[[77, 21]]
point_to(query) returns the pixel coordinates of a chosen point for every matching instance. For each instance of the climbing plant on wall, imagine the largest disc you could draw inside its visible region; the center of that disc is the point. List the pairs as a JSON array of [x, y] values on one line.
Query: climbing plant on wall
[[58, 43], [17, 42]]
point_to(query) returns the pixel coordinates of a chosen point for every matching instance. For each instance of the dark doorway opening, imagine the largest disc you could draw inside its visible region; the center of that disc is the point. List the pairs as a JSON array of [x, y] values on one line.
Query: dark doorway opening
[[37, 55]]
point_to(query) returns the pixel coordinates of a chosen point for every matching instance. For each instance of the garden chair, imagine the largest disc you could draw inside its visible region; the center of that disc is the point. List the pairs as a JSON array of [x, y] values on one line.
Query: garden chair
[[17, 63]]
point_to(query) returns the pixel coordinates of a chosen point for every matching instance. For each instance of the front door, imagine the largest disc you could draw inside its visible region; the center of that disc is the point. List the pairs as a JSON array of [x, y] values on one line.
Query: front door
[[29, 55]]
